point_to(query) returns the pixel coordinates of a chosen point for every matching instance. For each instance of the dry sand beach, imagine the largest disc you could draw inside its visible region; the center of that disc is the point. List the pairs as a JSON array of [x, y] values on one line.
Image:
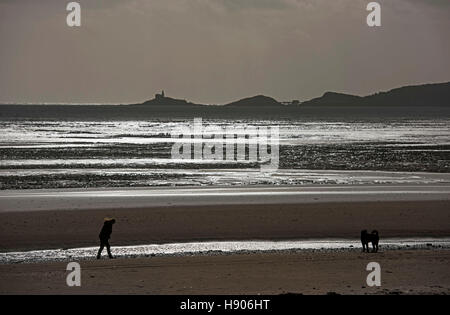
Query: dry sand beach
[[227, 214], [403, 272]]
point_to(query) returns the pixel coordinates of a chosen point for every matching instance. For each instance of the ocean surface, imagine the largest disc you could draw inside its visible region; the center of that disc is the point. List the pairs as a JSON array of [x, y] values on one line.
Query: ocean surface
[[76, 154]]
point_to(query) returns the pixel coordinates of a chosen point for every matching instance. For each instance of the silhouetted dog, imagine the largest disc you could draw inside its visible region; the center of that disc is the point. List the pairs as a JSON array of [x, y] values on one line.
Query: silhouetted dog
[[367, 238]]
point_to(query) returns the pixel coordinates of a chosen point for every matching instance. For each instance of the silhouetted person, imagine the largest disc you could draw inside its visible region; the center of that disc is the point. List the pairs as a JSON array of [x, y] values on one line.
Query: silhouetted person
[[367, 238], [104, 236]]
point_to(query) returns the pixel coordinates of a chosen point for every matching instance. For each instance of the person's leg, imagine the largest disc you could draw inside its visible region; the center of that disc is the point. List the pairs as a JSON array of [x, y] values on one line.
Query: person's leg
[[100, 250], [108, 249]]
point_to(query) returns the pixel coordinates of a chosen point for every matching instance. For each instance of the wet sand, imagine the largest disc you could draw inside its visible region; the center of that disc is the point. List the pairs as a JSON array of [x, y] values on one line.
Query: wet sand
[[135, 226], [126, 198], [402, 272]]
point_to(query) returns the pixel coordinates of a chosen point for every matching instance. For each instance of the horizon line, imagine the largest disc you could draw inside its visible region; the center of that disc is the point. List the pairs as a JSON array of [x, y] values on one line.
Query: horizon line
[[141, 102]]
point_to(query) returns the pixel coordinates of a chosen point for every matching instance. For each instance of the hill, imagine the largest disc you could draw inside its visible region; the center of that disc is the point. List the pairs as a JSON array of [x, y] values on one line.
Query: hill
[[417, 95], [167, 101], [333, 98], [256, 101]]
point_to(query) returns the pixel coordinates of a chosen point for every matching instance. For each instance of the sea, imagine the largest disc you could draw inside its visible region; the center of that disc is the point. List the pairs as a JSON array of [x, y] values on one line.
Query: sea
[[38, 154]]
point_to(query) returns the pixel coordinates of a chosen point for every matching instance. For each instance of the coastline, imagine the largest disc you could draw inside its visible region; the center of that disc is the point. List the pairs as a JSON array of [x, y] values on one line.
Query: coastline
[[217, 248]]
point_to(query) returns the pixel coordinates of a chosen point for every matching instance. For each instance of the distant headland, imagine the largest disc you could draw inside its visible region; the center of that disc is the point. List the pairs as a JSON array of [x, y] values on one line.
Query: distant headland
[[418, 95], [414, 102]]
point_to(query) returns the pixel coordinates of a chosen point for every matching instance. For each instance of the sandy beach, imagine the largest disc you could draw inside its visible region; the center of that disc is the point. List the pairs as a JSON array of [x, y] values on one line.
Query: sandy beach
[[291, 216], [402, 272], [77, 228], [183, 215]]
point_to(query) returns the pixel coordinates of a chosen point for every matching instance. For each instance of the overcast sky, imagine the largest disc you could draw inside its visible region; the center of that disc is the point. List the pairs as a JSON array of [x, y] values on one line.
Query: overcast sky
[[217, 51]]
